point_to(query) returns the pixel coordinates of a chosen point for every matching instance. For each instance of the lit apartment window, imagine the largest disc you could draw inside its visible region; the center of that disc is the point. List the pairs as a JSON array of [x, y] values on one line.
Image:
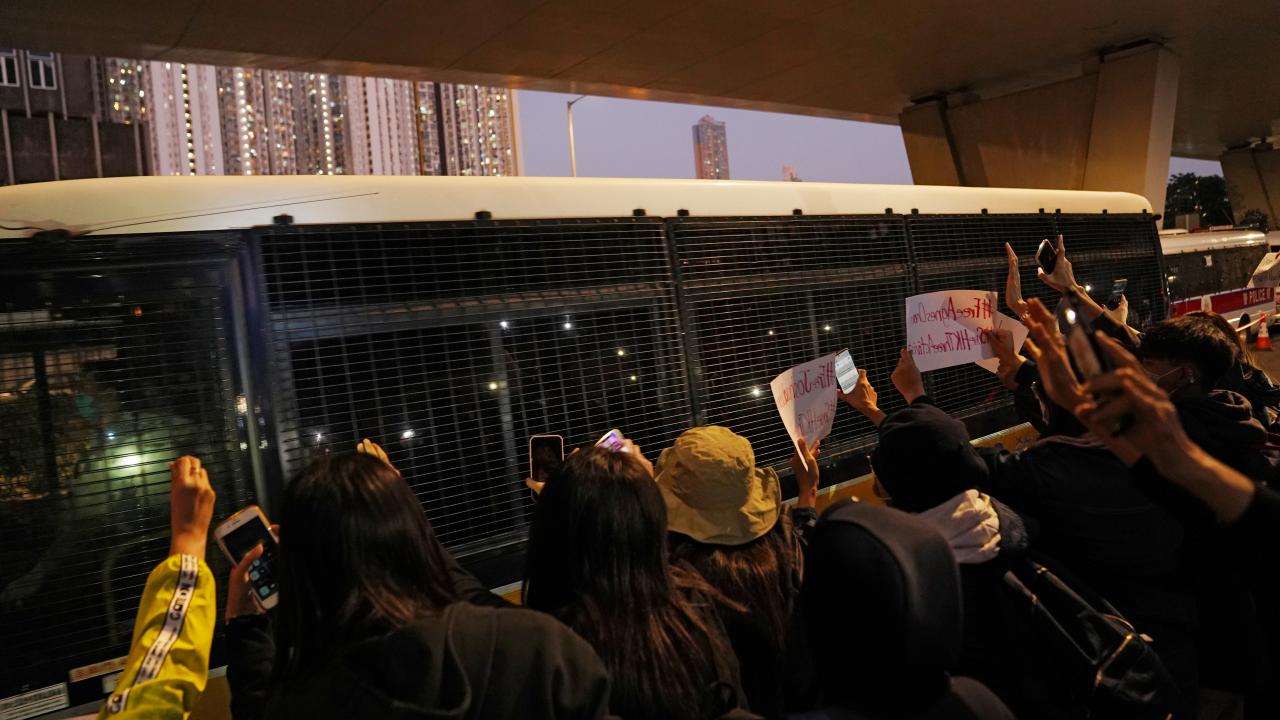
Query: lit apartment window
[[42, 71], [8, 67]]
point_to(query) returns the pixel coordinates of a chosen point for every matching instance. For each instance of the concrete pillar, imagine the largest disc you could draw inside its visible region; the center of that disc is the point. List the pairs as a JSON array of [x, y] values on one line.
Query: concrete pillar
[[1108, 128], [1132, 130], [1253, 180], [930, 150]]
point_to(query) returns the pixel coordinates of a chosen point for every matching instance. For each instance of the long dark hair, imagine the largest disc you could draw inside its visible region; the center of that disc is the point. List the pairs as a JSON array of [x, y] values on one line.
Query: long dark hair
[[762, 576], [358, 559], [597, 560]]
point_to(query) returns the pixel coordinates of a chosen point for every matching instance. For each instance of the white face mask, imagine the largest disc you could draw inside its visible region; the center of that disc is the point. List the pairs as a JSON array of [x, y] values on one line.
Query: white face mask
[[1162, 380]]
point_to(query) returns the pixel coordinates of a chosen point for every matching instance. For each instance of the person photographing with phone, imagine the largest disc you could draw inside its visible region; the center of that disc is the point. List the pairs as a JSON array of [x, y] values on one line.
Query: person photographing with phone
[[168, 663], [375, 618]]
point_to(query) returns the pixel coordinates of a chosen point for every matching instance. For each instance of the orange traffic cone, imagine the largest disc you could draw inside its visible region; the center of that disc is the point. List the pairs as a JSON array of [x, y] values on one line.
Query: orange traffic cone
[[1264, 333]]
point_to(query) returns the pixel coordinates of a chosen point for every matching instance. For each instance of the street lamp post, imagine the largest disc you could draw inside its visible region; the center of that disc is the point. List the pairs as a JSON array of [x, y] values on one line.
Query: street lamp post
[[573, 158]]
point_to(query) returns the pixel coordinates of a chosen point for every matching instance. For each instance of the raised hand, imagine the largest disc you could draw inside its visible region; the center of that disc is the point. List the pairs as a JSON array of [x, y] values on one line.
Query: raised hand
[[375, 451], [1062, 278], [906, 377], [804, 463], [634, 450], [1046, 346], [190, 506], [864, 398], [1001, 341], [1013, 284]]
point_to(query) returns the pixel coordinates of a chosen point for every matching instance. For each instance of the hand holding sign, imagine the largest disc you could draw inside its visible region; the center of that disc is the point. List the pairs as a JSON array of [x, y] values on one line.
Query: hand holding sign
[[906, 377], [806, 400], [1005, 338], [944, 328]]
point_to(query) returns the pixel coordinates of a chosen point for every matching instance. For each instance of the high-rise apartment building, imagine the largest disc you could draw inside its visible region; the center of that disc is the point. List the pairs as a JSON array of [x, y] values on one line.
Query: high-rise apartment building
[[56, 121], [384, 124], [165, 118], [710, 149], [185, 120]]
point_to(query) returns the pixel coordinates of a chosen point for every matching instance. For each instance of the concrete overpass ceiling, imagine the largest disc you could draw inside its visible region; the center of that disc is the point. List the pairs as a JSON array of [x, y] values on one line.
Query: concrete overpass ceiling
[[861, 60]]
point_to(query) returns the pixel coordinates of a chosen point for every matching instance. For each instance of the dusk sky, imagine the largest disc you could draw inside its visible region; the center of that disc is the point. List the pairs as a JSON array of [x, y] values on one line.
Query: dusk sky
[[635, 138]]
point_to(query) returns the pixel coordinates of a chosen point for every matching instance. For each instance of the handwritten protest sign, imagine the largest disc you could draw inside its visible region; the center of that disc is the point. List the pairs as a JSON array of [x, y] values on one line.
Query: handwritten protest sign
[[806, 399], [1004, 322], [944, 328]]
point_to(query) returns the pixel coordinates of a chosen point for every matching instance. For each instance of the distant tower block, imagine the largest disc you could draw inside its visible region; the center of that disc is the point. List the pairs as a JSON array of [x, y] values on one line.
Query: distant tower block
[[710, 149]]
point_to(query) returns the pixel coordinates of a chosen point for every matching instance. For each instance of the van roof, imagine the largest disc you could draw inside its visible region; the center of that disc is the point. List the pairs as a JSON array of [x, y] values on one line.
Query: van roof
[[135, 205]]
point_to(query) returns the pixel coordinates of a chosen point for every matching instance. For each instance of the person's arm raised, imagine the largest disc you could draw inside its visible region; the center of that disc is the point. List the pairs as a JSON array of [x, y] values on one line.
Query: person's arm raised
[[1013, 284], [1063, 278], [1001, 341], [864, 399], [1046, 346], [1156, 433], [906, 377], [190, 507], [804, 463]]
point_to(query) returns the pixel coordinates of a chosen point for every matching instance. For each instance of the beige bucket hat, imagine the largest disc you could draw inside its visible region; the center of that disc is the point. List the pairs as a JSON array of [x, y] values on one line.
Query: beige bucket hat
[[714, 492]]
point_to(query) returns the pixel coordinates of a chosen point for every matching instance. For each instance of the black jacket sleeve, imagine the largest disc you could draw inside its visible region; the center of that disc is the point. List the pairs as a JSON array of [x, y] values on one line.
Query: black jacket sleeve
[[250, 656], [1259, 528], [1025, 402], [803, 520], [467, 587], [1193, 514], [1118, 332], [1012, 479]]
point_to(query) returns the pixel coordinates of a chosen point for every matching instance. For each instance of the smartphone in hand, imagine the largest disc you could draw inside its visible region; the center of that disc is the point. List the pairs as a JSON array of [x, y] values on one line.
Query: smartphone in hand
[[546, 454], [612, 440], [239, 534], [846, 371], [1047, 257], [1087, 357], [1117, 291]]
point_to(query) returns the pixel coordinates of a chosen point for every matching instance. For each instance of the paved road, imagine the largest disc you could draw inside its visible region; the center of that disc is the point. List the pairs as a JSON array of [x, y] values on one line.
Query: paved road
[[1269, 360]]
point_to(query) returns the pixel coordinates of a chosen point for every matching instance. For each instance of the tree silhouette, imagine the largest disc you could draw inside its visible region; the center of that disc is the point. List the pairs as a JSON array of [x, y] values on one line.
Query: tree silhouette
[[1202, 195]]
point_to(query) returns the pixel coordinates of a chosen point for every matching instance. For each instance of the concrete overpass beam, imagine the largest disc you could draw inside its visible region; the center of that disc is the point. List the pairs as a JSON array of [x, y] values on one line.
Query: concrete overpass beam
[[1108, 128], [1253, 180]]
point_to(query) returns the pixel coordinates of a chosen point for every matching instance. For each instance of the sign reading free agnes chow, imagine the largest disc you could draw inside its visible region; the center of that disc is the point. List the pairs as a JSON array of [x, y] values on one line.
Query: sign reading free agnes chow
[[944, 328]]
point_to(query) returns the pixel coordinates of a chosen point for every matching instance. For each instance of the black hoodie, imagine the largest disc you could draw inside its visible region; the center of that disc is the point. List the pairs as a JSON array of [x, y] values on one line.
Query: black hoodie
[[881, 601], [1223, 423], [466, 662]]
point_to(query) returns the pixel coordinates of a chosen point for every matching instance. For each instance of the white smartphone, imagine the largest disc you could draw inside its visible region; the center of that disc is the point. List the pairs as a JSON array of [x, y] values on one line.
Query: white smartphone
[[546, 453], [846, 372], [239, 534], [612, 440]]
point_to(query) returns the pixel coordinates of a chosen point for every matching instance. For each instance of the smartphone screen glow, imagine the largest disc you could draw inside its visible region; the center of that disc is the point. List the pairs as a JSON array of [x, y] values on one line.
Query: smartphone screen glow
[[846, 372]]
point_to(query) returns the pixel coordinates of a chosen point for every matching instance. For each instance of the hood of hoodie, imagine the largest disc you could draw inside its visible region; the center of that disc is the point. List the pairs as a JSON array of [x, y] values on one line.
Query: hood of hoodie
[[894, 579], [1222, 422], [413, 672], [465, 662]]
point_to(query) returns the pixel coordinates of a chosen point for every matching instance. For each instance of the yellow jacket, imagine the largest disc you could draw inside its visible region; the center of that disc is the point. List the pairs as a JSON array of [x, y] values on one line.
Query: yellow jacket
[[169, 658]]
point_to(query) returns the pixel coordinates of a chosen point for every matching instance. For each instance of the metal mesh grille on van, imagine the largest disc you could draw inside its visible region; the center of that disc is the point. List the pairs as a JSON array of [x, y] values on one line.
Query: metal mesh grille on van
[[115, 358], [451, 344]]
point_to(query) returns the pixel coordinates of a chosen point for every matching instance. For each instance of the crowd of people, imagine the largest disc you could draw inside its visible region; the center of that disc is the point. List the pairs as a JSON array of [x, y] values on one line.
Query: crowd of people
[[1113, 568]]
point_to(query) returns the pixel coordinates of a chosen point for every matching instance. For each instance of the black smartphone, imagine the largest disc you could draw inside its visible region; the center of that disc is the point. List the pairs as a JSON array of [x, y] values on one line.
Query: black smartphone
[[546, 454], [1087, 357], [1047, 256], [1117, 291]]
